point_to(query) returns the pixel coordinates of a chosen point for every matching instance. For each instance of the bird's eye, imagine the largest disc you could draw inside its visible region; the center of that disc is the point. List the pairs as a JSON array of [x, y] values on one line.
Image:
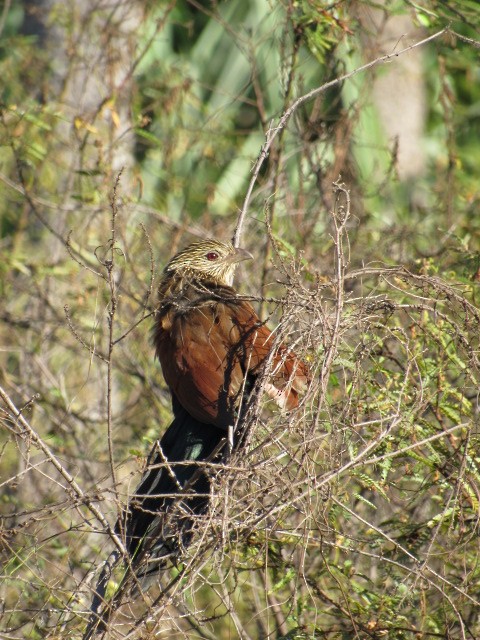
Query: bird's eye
[[212, 255]]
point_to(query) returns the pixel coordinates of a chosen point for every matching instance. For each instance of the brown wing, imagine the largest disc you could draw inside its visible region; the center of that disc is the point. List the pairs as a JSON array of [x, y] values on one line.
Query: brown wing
[[287, 374], [207, 351], [199, 366]]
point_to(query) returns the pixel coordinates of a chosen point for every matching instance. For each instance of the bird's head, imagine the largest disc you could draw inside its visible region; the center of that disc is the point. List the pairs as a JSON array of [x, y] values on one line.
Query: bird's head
[[208, 260]]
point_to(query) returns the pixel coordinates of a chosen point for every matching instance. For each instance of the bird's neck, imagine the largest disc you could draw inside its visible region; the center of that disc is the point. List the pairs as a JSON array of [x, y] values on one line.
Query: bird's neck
[[191, 286]]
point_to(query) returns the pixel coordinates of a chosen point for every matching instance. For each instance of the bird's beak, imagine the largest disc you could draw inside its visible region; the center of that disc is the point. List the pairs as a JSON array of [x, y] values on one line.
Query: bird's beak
[[239, 255]]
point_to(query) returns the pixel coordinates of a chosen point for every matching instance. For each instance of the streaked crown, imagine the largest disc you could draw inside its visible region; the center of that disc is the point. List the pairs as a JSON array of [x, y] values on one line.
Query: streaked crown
[[208, 260]]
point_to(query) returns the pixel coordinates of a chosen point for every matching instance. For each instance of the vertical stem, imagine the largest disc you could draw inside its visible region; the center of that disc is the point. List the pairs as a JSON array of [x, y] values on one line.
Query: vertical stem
[[340, 216], [110, 265]]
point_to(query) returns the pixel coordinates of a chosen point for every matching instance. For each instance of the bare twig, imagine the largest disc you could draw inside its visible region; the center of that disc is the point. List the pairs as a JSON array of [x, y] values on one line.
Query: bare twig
[[110, 264]]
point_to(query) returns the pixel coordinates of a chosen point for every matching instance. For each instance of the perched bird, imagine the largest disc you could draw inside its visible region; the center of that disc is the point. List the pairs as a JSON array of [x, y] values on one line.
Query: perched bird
[[212, 347]]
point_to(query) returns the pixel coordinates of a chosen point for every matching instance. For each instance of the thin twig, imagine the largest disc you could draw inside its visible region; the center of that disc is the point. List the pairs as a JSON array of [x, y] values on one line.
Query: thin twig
[[110, 266]]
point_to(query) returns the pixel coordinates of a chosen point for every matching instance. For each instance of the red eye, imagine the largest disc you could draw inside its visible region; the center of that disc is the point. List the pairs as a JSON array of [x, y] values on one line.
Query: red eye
[[212, 255]]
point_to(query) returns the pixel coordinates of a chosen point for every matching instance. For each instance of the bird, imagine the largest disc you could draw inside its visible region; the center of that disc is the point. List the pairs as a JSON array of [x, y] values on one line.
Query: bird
[[212, 348]]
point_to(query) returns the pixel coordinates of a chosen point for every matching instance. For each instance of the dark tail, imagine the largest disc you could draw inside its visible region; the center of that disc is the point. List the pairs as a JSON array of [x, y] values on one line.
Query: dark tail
[[172, 492], [161, 513]]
